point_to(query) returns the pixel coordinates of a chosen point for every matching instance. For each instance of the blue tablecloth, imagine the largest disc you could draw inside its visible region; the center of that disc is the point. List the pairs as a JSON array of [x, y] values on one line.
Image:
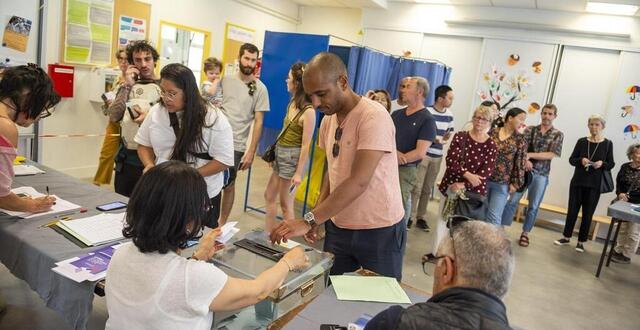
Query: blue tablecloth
[[30, 252]]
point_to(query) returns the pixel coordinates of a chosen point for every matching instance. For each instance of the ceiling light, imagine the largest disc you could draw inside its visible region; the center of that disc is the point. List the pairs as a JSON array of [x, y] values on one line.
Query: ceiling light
[[611, 8]]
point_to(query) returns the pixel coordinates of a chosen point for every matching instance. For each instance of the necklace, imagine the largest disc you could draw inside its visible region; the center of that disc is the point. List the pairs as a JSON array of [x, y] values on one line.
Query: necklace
[[589, 154]]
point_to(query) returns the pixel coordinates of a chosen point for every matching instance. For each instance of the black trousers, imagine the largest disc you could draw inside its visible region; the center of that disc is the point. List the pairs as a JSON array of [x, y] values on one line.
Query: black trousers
[[214, 212], [581, 197], [127, 176]]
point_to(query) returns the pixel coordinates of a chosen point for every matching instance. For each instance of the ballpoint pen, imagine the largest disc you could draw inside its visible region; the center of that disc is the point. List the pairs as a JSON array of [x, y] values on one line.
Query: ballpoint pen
[[47, 188]]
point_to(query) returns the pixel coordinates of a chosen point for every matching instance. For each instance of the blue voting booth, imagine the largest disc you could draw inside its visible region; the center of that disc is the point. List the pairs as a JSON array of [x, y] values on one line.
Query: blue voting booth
[[367, 69]]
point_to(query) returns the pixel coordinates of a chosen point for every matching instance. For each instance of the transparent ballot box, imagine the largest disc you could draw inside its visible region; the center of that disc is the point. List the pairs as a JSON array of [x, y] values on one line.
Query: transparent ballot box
[[249, 255]]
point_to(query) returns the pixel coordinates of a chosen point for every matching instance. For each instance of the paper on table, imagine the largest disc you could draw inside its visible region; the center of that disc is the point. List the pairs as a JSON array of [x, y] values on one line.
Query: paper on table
[[228, 230], [95, 230], [60, 206], [20, 170], [369, 288]]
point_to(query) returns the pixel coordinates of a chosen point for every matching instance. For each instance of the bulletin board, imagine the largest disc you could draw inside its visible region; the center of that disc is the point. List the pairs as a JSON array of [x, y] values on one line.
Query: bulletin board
[[140, 13], [94, 38], [234, 37], [87, 31]]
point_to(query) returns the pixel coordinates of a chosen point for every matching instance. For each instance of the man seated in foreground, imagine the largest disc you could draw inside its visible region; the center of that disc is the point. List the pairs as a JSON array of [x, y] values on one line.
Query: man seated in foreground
[[472, 274]]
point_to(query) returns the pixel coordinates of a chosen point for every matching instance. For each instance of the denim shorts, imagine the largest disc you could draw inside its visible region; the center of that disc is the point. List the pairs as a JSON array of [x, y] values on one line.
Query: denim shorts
[[286, 161]]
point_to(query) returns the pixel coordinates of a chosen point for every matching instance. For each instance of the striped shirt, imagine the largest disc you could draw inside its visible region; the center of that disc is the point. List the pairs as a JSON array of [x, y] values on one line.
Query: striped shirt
[[444, 122]]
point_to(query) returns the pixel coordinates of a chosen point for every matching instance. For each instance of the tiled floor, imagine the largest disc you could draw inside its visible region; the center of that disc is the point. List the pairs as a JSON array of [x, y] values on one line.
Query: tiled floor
[[553, 287]]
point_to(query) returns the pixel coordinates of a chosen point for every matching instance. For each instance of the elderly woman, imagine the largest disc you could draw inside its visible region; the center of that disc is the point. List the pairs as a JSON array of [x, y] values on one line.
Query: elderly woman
[[591, 156], [151, 286], [470, 161], [628, 190]]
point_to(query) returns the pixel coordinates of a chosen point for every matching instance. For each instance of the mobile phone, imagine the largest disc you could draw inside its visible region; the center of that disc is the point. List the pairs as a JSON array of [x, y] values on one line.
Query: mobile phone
[[104, 98], [111, 206], [191, 243], [133, 114], [292, 188], [332, 327]]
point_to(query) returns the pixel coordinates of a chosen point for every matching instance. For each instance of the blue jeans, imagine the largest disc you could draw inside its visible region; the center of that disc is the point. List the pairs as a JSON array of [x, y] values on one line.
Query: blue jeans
[[536, 192], [497, 195]]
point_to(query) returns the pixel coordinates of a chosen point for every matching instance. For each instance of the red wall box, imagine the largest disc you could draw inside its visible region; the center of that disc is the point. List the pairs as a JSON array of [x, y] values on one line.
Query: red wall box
[[62, 77]]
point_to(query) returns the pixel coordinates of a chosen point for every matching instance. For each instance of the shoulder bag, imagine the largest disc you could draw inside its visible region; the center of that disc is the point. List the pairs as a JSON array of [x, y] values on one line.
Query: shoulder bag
[[269, 155], [474, 206], [606, 183]]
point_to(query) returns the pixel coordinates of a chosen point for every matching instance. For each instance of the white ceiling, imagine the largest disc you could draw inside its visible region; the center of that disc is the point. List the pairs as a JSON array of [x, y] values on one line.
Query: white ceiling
[[557, 5]]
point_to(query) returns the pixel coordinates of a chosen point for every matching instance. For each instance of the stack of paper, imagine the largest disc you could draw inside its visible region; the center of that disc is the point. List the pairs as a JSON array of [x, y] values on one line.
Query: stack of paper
[[369, 288], [88, 267], [60, 206], [228, 230], [95, 230], [21, 170]]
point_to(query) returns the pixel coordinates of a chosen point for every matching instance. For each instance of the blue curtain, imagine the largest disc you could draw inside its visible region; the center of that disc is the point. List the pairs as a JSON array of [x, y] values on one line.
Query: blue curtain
[[369, 69]]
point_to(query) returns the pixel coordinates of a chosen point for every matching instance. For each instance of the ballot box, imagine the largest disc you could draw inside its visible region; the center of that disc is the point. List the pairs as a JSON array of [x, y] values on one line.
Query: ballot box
[[249, 255]]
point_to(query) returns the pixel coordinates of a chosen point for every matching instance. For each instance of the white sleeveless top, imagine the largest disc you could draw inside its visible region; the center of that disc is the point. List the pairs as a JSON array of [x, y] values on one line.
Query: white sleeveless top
[[160, 291]]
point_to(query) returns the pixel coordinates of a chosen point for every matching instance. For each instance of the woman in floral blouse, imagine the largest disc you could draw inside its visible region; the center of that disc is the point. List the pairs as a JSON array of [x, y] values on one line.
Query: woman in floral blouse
[[470, 161], [508, 174]]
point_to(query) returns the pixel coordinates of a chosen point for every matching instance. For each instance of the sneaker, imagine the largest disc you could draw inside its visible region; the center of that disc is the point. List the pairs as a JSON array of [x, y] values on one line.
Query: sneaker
[[619, 258], [422, 224], [429, 257], [409, 223], [580, 248], [562, 241]]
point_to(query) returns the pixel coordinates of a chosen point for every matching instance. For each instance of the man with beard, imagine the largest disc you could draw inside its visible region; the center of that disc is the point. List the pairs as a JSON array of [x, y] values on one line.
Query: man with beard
[[244, 102], [359, 201], [135, 97]]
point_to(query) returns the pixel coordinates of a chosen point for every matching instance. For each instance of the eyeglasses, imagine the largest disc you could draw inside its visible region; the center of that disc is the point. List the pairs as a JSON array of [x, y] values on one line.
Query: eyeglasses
[[44, 114], [252, 87], [170, 95], [336, 147], [452, 222], [480, 119]]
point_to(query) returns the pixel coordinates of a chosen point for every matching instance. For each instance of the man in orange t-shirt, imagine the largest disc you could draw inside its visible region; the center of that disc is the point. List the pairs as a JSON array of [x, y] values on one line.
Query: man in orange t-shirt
[[360, 194]]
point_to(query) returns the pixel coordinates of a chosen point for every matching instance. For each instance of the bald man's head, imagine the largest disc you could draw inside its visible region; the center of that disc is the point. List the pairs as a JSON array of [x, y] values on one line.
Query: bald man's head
[[329, 66], [325, 81]]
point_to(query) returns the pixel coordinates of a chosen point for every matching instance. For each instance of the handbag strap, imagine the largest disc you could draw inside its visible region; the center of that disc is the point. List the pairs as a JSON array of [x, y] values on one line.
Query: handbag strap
[[290, 122]]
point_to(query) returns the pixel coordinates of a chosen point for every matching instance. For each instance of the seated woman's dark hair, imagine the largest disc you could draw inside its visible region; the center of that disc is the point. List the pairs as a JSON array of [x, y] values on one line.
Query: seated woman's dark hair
[[14, 81], [167, 208]]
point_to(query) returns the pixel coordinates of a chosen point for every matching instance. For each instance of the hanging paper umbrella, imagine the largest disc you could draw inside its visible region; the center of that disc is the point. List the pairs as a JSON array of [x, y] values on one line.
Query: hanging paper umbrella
[[626, 110], [632, 130], [633, 90]]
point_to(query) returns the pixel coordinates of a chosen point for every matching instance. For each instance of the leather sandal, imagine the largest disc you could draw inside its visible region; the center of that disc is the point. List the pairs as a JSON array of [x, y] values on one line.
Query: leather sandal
[[524, 240]]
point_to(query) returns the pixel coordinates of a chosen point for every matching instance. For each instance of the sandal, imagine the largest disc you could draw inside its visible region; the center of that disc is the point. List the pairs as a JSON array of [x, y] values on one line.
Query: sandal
[[524, 240]]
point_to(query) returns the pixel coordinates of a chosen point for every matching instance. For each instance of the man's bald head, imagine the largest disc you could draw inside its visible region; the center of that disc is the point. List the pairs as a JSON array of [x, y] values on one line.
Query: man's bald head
[[328, 65]]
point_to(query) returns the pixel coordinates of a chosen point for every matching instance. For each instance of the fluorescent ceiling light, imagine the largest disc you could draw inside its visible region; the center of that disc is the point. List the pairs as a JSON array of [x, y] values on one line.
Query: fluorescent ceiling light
[[611, 8]]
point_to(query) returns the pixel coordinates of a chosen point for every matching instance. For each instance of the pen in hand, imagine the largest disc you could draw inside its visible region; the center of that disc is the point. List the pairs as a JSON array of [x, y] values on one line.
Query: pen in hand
[[47, 188]]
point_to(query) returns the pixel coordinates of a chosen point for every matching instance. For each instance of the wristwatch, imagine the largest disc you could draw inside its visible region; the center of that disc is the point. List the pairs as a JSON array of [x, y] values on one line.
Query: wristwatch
[[310, 219]]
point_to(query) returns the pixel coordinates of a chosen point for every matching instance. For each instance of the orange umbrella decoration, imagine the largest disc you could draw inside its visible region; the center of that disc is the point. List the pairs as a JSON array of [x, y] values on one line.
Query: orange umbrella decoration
[[633, 90]]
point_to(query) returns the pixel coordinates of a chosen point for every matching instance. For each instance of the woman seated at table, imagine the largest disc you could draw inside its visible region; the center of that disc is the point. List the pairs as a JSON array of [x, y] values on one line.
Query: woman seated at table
[[150, 285], [628, 190], [26, 96]]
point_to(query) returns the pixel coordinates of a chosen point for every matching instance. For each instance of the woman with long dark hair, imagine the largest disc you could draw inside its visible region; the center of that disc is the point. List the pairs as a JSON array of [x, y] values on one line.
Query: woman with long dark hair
[[26, 96], [508, 175], [151, 286], [183, 127], [292, 149]]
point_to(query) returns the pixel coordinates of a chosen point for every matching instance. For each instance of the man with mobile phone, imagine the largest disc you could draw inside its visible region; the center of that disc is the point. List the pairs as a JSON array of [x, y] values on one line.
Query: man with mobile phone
[[430, 166], [135, 97]]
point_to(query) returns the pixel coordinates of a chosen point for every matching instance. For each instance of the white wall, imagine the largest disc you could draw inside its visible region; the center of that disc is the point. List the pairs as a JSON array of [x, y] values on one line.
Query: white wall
[[345, 23], [79, 156]]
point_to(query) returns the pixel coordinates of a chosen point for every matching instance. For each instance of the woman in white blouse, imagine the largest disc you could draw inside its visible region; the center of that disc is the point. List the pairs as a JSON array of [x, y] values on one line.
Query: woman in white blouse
[[184, 127], [151, 286]]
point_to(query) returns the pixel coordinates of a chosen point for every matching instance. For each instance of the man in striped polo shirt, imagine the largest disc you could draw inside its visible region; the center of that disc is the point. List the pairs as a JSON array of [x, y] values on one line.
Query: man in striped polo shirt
[[430, 166]]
